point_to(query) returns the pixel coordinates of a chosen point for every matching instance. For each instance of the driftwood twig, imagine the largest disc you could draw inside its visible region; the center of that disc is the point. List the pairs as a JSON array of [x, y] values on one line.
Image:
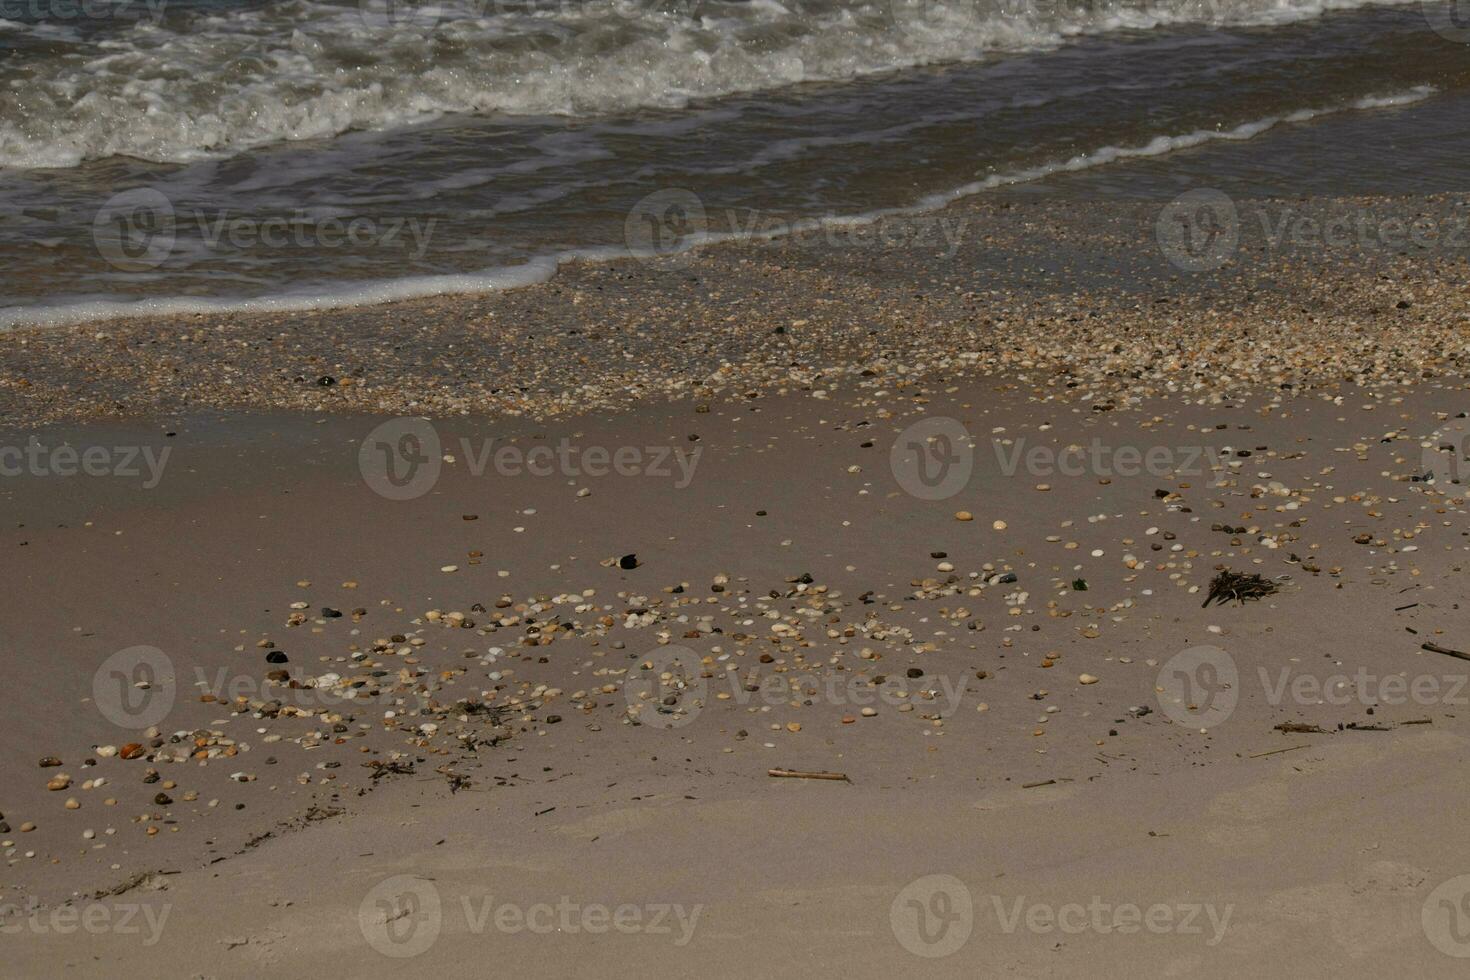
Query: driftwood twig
[[1436, 648], [798, 774]]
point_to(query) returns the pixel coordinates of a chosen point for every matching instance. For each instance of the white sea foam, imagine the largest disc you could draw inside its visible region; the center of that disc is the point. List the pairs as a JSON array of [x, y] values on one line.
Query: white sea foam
[[197, 86], [342, 296], [1167, 144]]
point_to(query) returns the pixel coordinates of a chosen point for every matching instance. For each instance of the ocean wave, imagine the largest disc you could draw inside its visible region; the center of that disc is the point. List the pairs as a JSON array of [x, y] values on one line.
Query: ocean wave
[[195, 86]]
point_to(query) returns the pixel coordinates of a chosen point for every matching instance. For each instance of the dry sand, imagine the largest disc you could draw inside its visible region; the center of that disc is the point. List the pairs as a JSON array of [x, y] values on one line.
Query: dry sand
[[1014, 778]]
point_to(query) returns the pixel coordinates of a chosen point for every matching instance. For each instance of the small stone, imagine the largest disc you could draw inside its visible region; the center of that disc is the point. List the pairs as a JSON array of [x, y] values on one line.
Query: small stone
[[793, 726], [131, 751], [868, 712], [50, 761], [1087, 679], [72, 803], [999, 525], [963, 515], [59, 782]]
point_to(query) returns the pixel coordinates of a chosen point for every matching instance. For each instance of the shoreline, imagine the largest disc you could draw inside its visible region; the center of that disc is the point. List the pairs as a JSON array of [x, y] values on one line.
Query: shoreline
[[1035, 287], [754, 228]]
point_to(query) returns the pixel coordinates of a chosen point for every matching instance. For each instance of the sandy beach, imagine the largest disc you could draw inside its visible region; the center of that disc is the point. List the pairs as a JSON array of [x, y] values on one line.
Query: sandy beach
[[1064, 577], [513, 629]]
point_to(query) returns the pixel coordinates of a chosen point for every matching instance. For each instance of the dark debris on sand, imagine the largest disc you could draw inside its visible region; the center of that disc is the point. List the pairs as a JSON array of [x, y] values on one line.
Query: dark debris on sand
[[1239, 586]]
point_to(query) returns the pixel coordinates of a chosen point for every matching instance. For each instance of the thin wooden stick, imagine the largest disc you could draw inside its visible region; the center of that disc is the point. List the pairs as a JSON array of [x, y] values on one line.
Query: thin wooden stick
[[798, 774], [1436, 648], [1289, 748]]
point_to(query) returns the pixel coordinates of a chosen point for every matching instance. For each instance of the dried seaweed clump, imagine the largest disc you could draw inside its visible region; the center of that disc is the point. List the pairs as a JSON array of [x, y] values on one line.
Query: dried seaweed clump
[[1239, 586]]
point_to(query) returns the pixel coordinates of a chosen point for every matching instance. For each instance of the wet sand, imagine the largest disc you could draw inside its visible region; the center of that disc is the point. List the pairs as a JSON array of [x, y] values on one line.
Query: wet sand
[[1009, 283]]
